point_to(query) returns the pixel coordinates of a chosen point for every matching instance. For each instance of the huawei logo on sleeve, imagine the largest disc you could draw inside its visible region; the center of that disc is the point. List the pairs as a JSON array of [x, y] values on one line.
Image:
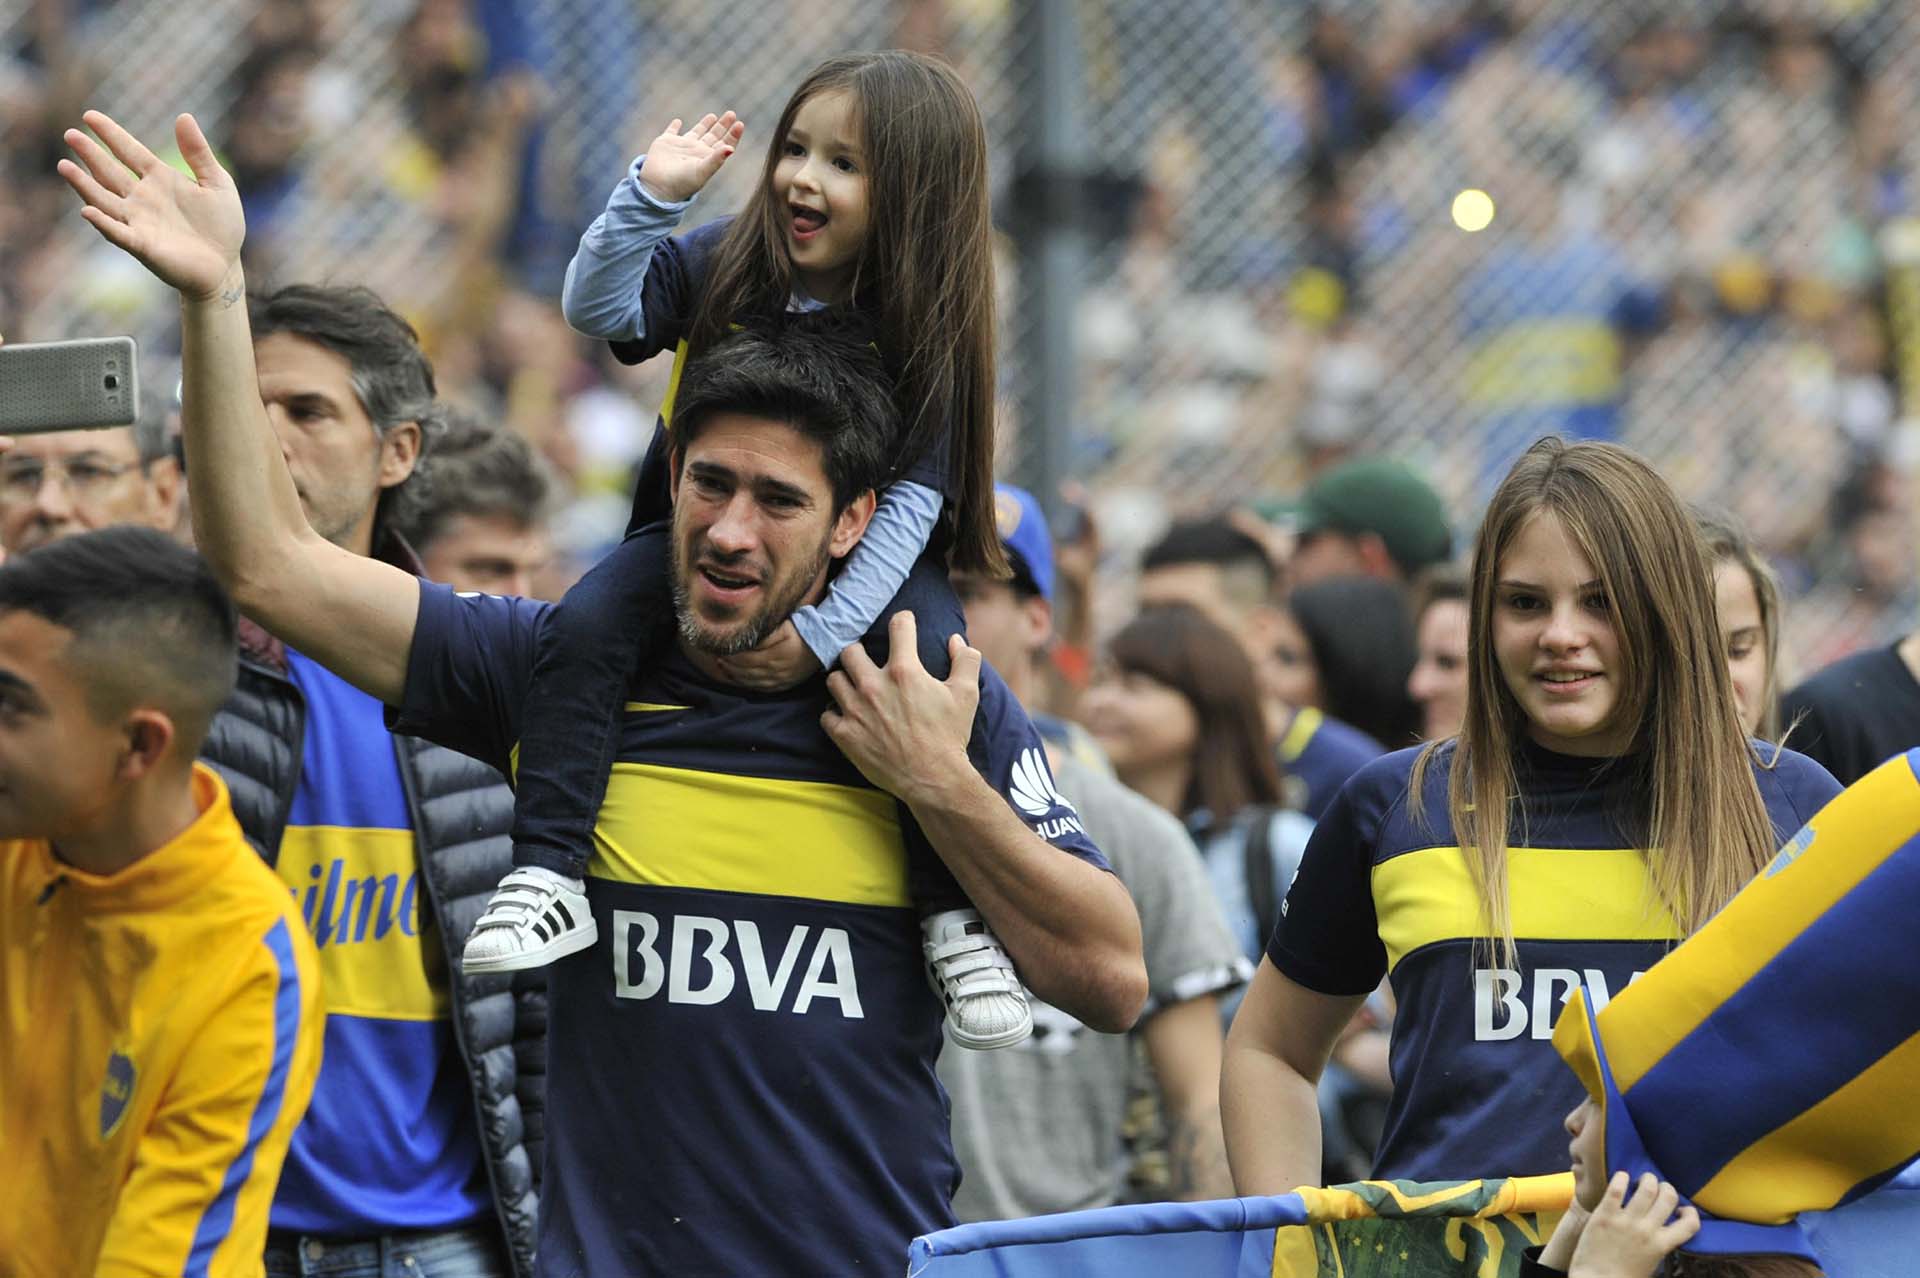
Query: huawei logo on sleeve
[[1034, 793]]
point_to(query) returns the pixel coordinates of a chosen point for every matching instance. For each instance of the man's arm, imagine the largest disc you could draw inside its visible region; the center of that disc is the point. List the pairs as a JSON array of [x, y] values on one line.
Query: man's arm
[[1183, 1048], [1069, 926], [351, 614], [206, 1166]]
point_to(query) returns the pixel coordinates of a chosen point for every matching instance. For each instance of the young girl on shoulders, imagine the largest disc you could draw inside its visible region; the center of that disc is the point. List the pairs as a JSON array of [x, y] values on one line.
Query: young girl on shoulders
[[872, 205]]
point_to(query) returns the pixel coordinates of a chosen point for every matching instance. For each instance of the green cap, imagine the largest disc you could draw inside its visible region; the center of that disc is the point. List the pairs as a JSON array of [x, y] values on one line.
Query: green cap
[[1381, 496]]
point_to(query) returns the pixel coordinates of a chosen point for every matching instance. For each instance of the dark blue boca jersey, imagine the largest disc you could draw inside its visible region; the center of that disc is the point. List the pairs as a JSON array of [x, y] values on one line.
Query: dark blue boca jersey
[[1316, 756], [741, 1074], [1478, 1088]]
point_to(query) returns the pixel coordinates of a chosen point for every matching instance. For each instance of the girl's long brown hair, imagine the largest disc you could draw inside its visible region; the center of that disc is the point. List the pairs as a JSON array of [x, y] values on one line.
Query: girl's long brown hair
[[1705, 830], [1233, 764], [925, 273]]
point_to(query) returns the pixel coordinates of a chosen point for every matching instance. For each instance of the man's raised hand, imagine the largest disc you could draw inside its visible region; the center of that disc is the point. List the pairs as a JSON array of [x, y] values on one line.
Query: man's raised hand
[[679, 164], [186, 230]]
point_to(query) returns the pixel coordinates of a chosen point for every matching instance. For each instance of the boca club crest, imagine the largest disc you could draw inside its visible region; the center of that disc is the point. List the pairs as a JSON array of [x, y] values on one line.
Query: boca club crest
[[116, 1092]]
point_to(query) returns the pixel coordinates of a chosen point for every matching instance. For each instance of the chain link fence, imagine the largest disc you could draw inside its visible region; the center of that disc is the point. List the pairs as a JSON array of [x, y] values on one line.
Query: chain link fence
[[1429, 227]]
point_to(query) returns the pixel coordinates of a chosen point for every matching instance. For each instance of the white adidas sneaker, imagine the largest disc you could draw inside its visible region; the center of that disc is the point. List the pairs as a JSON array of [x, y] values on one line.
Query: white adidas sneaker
[[972, 973], [535, 917]]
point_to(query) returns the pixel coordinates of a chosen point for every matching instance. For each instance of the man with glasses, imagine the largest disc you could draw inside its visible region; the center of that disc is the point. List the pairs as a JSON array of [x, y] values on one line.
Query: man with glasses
[[74, 481]]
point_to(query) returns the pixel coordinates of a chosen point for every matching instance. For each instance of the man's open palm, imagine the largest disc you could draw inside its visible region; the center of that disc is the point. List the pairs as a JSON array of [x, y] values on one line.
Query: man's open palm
[[186, 230]]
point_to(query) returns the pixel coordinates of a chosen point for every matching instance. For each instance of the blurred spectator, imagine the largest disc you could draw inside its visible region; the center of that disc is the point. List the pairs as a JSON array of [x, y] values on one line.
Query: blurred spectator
[[481, 524], [1175, 708], [1346, 647], [1858, 712], [1438, 683], [1038, 1127], [427, 1118], [1220, 570], [267, 131], [1371, 517], [1747, 598], [65, 482]]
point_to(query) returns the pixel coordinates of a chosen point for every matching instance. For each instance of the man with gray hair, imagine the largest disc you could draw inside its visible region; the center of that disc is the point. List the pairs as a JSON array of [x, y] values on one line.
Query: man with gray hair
[[74, 481], [418, 1152]]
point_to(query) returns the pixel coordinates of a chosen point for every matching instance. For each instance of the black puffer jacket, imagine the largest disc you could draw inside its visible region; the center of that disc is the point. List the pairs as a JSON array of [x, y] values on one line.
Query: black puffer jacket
[[462, 815]]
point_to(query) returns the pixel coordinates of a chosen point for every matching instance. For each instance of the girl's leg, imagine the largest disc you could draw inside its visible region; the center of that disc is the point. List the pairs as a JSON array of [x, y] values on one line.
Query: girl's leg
[[593, 641], [986, 1003], [605, 626]]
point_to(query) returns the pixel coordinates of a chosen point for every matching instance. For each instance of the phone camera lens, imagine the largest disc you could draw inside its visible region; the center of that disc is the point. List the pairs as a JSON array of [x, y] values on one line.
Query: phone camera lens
[[113, 381]]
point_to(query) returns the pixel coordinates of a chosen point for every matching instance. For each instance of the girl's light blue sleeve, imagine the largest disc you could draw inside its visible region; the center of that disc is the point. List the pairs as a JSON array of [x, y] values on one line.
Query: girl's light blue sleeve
[[874, 573], [601, 294]]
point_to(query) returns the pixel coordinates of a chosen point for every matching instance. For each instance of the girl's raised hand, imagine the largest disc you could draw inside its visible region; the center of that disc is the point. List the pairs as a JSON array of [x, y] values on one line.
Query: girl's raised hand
[[679, 164], [185, 229], [1629, 1239]]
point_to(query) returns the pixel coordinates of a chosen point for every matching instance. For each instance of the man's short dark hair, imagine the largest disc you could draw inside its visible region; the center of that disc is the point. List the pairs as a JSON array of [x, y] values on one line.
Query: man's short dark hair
[[151, 624], [820, 376], [483, 472], [390, 373], [1208, 541]]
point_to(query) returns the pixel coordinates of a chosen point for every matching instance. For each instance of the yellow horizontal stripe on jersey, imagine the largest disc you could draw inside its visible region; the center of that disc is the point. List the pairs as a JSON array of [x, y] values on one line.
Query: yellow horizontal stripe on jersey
[[359, 892], [1781, 903], [648, 707], [1809, 1160], [680, 827], [1564, 894]]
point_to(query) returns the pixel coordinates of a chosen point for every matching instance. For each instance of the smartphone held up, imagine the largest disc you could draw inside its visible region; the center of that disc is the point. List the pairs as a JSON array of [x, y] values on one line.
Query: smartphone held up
[[77, 385]]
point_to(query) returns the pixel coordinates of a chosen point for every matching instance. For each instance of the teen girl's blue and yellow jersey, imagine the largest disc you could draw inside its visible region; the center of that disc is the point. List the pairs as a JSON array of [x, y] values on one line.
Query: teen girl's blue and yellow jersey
[[390, 1142], [741, 1071], [1386, 890], [161, 1033]]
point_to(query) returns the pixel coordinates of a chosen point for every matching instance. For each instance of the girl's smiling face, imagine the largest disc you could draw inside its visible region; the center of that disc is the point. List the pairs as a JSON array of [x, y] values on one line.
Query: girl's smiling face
[[1555, 644], [821, 180]]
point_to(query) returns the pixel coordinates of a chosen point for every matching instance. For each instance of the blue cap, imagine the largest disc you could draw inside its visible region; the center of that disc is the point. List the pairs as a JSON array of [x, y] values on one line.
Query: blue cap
[[1023, 528]]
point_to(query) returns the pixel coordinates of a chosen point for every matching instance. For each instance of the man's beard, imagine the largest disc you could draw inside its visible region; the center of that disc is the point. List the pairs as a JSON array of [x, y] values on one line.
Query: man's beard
[[781, 597]]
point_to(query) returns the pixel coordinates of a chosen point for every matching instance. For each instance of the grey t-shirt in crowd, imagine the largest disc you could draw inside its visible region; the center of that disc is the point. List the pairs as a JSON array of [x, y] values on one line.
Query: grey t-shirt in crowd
[[1037, 1126]]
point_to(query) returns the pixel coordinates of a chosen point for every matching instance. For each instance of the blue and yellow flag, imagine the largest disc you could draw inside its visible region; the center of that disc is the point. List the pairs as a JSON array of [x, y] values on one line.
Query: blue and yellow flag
[[1375, 1229], [1768, 1066]]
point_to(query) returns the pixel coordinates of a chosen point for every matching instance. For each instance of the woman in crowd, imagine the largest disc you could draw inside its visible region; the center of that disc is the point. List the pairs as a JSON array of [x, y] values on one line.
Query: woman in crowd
[[1345, 646], [1600, 802], [1176, 709], [1747, 594], [1438, 684]]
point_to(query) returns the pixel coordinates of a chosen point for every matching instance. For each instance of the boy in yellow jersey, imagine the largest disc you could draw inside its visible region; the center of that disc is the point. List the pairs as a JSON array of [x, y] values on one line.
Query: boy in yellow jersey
[[161, 1000]]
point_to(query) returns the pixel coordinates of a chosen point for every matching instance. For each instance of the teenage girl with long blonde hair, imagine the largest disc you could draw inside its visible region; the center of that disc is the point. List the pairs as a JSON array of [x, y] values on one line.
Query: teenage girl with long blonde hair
[[1600, 802]]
